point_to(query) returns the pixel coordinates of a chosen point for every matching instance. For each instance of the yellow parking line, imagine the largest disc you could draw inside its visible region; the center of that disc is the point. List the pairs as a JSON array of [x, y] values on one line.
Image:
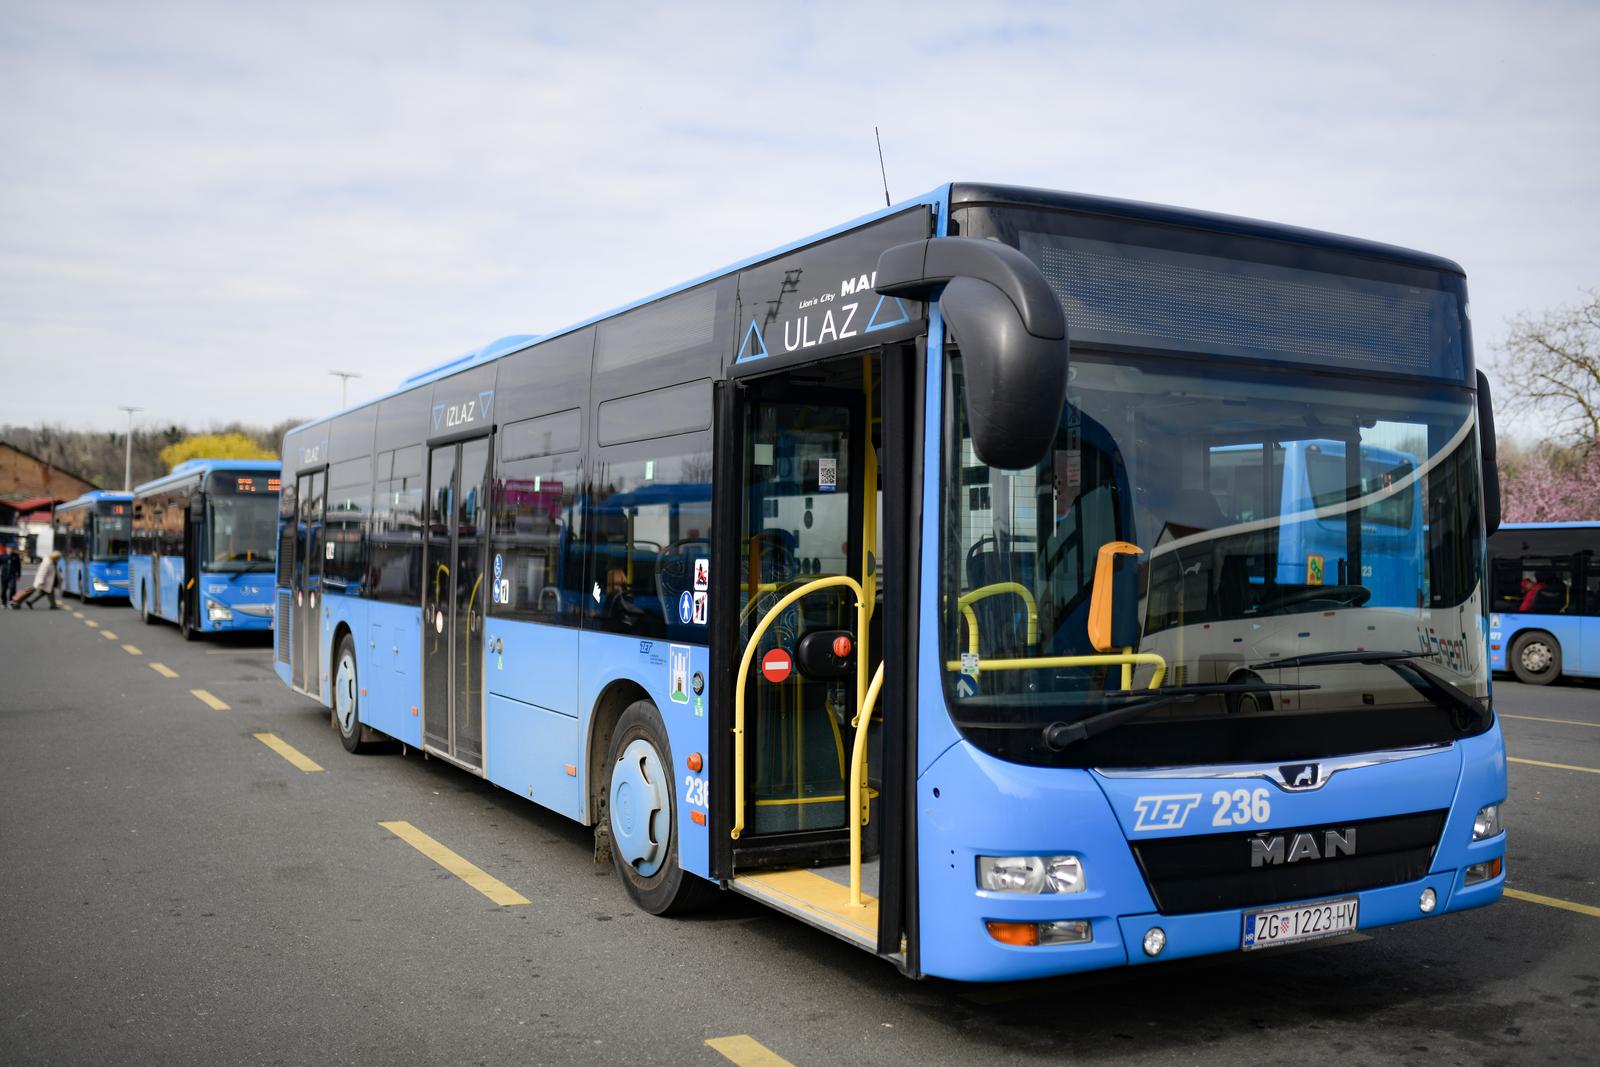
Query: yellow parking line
[[132, 650], [1557, 766], [209, 700], [288, 752], [91, 624], [108, 635], [746, 1051], [1553, 902], [1563, 722], [476, 877], [163, 670]]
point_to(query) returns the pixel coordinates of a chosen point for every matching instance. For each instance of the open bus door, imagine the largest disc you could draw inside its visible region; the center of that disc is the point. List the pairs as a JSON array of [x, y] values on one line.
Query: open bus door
[[812, 685]]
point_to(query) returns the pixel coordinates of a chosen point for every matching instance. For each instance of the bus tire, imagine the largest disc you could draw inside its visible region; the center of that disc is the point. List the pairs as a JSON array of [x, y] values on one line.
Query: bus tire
[[640, 806], [144, 606], [347, 698], [1535, 658], [186, 625]]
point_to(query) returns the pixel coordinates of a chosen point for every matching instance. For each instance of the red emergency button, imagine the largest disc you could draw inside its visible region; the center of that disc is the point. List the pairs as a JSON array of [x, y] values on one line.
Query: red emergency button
[[842, 646], [776, 665]]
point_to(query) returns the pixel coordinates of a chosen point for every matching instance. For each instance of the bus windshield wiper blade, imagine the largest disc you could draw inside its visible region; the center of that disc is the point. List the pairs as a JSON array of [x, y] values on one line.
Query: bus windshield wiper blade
[[1059, 735], [1465, 709], [1370, 658]]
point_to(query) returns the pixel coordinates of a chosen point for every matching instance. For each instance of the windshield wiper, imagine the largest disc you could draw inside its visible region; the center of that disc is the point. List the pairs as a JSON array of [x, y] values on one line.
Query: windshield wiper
[[1464, 709], [1059, 735], [1370, 658]]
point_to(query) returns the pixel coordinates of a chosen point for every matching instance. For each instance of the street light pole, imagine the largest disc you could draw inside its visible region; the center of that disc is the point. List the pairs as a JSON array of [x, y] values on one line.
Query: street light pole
[[344, 377], [127, 456]]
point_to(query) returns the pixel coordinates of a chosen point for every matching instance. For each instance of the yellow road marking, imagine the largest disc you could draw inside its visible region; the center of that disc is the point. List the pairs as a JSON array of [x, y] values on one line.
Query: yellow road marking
[[163, 670], [1564, 722], [1557, 766], [288, 752], [746, 1051], [474, 876], [1553, 902], [209, 700], [132, 650], [91, 624], [108, 635]]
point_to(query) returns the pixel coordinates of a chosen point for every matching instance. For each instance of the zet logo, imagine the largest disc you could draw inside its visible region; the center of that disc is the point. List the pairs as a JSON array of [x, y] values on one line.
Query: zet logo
[[1164, 812]]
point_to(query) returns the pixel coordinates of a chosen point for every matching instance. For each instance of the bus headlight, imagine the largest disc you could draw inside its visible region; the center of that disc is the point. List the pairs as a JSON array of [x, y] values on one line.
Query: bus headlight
[[100, 587], [1487, 822], [1030, 874], [218, 612]]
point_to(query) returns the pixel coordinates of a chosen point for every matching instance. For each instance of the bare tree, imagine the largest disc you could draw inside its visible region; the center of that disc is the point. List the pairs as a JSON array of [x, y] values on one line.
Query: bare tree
[[1551, 364]]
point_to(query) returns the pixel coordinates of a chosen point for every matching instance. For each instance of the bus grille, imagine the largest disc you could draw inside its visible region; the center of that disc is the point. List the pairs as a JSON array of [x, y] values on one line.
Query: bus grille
[[281, 623], [1213, 873]]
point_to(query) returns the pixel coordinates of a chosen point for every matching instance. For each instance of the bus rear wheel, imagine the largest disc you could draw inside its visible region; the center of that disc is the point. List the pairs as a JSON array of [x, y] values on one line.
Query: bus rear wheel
[[641, 813], [347, 698], [1536, 658]]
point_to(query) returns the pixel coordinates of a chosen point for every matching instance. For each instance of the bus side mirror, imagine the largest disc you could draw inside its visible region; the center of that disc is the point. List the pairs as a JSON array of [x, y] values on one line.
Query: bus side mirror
[[1114, 600], [1490, 455], [1012, 334]]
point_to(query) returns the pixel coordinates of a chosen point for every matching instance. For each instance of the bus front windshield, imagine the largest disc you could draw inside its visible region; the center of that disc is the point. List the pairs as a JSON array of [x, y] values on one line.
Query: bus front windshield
[[111, 533], [241, 528], [1282, 516]]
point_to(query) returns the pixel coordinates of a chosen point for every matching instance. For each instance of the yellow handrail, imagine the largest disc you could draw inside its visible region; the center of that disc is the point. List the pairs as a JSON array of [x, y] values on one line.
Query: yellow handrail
[[740, 681], [858, 773], [984, 592], [1110, 659]]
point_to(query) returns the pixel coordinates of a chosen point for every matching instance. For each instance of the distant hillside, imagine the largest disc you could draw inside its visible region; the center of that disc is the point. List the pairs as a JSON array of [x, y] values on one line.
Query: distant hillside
[[98, 455]]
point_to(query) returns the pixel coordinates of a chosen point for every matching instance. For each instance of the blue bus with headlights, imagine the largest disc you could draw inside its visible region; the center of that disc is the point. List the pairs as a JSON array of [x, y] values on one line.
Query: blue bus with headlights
[[92, 534], [204, 542], [1008, 582]]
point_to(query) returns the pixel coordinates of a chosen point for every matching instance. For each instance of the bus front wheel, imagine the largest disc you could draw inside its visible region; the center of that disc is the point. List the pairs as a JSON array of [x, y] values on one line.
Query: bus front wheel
[[144, 606], [641, 813], [186, 625], [1536, 658], [347, 698]]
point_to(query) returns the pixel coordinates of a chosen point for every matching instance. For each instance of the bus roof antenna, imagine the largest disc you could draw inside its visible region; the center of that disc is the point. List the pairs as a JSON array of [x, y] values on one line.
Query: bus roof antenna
[[881, 170]]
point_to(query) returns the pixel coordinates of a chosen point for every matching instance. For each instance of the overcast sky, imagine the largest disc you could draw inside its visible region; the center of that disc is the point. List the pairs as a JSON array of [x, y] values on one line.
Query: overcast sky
[[206, 207]]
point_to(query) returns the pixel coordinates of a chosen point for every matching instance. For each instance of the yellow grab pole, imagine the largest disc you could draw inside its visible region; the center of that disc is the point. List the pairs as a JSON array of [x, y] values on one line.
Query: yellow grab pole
[[858, 771], [743, 676]]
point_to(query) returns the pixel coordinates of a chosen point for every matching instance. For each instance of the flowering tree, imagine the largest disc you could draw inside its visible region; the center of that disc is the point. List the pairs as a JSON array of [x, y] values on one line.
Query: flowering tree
[[1548, 483]]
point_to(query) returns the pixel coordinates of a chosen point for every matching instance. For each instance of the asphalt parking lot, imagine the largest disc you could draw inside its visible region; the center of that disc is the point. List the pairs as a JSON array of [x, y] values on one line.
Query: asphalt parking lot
[[195, 871]]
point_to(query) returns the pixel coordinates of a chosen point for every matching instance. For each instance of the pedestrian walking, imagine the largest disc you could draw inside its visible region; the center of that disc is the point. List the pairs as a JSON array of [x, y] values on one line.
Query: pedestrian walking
[[10, 572], [45, 582]]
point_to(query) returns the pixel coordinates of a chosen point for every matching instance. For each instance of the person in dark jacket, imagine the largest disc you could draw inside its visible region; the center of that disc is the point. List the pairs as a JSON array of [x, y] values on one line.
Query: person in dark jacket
[[10, 572]]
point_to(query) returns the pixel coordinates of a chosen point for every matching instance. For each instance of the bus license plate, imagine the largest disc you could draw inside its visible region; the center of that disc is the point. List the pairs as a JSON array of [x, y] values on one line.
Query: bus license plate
[[1303, 922]]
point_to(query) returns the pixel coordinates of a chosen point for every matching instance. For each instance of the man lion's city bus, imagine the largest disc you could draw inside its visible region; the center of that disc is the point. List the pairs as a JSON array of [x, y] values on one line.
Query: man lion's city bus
[[834, 580], [92, 534], [1544, 600], [204, 539]]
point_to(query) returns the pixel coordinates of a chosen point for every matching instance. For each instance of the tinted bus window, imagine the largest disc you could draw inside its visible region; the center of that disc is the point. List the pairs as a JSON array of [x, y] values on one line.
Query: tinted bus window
[[396, 533], [535, 534]]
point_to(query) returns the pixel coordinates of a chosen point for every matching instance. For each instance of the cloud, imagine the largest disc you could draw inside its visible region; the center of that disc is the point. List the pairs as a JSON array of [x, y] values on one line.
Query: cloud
[[204, 208]]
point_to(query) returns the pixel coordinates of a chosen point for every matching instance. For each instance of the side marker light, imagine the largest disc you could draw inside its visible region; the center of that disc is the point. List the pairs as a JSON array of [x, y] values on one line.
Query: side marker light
[[1155, 939]]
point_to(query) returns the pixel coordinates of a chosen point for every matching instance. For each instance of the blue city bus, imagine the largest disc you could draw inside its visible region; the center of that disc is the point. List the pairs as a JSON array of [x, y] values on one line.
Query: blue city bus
[[204, 539], [833, 580], [1307, 475], [92, 534], [1544, 589]]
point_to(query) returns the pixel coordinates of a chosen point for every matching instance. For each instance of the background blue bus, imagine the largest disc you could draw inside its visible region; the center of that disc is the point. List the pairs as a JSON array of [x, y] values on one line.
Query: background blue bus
[[788, 582], [204, 544], [1545, 600], [92, 533], [1304, 475]]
